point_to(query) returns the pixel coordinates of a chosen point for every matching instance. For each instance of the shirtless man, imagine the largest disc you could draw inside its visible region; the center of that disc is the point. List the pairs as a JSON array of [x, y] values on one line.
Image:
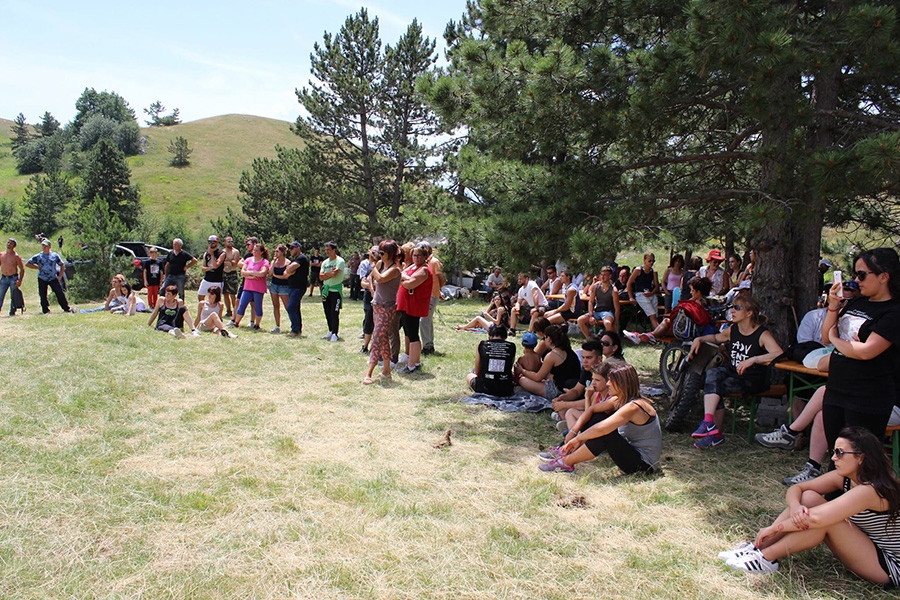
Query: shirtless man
[[232, 258], [12, 270]]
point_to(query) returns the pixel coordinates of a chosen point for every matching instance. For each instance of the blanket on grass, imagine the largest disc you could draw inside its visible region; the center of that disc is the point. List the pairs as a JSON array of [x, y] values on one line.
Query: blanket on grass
[[521, 401]]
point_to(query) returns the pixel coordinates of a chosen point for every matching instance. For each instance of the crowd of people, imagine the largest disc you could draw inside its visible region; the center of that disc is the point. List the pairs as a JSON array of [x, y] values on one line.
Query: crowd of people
[[850, 502]]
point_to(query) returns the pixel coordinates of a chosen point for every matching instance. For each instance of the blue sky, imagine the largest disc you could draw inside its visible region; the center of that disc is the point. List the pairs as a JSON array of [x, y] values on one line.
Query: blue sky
[[205, 58]]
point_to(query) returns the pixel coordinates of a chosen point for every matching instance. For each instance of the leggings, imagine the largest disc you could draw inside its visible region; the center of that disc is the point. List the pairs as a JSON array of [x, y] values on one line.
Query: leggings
[[331, 304], [380, 345], [411, 327], [620, 451], [247, 297]]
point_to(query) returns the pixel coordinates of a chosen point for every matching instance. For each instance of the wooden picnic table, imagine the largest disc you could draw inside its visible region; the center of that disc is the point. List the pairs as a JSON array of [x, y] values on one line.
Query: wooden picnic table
[[801, 378]]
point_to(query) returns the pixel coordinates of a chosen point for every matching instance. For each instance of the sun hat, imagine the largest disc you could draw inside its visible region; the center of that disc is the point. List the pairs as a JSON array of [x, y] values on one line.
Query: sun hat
[[715, 255]]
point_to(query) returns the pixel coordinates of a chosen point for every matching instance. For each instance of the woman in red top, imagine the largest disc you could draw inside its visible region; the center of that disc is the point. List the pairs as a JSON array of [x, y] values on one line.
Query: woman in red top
[[414, 302]]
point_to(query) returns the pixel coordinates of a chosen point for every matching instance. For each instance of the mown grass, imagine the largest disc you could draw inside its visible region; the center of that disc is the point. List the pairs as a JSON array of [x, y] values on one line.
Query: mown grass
[[134, 465]]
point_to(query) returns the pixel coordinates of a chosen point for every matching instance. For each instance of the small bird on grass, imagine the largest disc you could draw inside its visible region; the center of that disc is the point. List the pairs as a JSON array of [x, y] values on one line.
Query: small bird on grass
[[446, 441]]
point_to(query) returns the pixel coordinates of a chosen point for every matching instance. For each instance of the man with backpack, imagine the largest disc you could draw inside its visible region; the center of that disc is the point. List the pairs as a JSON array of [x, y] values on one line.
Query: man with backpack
[[12, 272]]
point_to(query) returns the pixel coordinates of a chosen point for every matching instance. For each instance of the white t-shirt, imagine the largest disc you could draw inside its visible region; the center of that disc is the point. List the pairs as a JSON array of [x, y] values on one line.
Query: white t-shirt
[[526, 292]]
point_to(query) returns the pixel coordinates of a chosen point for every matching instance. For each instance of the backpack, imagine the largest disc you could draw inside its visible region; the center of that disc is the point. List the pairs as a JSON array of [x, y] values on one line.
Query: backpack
[[683, 326], [18, 300]]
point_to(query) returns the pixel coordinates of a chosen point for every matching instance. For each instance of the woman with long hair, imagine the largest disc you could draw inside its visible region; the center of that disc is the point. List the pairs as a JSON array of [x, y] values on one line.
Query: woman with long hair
[[612, 347], [210, 316], [560, 367], [497, 313], [385, 278], [625, 426], [865, 332], [859, 526], [671, 281], [749, 344], [278, 286]]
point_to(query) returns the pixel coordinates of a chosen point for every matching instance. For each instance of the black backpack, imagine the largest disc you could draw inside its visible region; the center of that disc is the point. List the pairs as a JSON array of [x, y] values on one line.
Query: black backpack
[[18, 300]]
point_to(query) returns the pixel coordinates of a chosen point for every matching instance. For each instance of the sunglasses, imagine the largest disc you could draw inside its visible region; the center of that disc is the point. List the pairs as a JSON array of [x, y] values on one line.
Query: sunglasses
[[606, 344], [840, 452], [652, 260], [737, 307], [861, 275]]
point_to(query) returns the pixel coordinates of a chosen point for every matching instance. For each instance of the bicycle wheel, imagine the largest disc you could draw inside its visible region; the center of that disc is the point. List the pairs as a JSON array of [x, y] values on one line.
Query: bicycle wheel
[[670, 364]]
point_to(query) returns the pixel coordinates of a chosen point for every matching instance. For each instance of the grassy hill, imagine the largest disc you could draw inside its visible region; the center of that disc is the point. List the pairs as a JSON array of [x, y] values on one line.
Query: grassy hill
[[222, 147]]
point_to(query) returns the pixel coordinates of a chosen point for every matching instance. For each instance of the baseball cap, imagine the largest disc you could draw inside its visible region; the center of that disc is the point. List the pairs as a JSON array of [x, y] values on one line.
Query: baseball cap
[[529, 339], [295, 244], [45, 242], [213, 238]]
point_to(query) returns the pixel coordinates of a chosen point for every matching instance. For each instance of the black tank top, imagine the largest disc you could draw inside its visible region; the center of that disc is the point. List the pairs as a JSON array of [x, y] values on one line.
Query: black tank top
[[643, 282], [742, 347]]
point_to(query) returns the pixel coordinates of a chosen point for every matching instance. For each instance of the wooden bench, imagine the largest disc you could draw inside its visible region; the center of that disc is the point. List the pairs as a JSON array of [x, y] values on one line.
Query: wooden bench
[[751, 401]]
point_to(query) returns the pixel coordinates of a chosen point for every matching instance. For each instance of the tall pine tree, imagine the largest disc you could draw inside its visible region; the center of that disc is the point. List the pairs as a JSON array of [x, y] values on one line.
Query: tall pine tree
[[108, 177]]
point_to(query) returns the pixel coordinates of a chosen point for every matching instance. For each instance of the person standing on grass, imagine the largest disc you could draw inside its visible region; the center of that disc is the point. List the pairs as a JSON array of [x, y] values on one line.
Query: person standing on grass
[[213, 267], [297, 273], [254, 272], [315, 267], [51, 269], [426, 324], [364, 272], [331, 274], [385, 276], [355, 261], [152, 273], [279, 289], [230, 276], [852, 509], [177, 262], [12, 270], [629, 431], [413, 300]]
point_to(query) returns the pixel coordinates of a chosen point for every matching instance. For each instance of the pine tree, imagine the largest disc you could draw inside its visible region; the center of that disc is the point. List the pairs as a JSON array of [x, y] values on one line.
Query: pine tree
[[21, 134], [108, 177], [182, 152], [44, 202]]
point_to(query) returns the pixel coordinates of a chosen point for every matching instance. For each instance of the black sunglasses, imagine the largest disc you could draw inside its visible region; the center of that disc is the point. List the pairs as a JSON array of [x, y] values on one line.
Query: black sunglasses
[[737, 307], [605, 344], [840, 452], [861, 275]]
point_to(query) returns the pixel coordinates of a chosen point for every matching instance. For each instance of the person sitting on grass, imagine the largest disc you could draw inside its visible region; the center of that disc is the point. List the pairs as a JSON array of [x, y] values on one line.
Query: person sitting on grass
[[859, 525], [559, 368], [629, 430], [695, 307], [570, 306], [603, 305], [597, 393], [749, 344], [572, 398], [529, 361], [172, 313], [210, 317], [497, 313], [132, 303], [494, 360], [612, 347]]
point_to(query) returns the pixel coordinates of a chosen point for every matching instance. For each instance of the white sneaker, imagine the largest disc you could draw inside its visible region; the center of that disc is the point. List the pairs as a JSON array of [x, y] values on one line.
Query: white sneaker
[[327, 337], [780, 438], [752, 561], [177, 333], [632, 337], [334, 338], [806, 473], [738, 550], [229, 334], [195, 333], [403, 358], [276, 329]]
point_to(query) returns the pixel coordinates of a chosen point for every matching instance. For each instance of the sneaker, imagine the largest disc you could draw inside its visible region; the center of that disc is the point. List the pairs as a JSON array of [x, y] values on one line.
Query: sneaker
[[230, 335], [707, 428], [276, 329], [513, 332], [195, 333], [177, 333], [780, 438], [362, 336], [254, 326], [403, 358], [228, 315], [427, 351], [710, 441], [223, 332], [555, 416], [752, 561], [806, 473], [232, 324], [292, 335], [633, 337], [363, 350], [556, 466], [561, 426], [551, 454], [408, 369], [334, 338], [738, 550], [328, 336]]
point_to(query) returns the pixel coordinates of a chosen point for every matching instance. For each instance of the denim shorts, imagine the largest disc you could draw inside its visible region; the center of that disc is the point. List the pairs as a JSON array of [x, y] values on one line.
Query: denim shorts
[[603, 314], [281, 290]]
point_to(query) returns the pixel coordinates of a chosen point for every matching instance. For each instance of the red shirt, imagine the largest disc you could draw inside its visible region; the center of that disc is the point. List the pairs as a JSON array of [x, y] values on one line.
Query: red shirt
[[417, 301]]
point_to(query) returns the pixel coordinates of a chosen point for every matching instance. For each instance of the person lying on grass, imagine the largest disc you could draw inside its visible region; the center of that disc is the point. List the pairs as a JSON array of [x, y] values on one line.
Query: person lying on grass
[[853, 509], [630, 433]]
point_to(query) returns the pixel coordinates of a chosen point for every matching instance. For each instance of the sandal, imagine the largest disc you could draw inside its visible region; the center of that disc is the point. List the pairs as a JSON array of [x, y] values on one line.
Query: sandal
[[368, 381]]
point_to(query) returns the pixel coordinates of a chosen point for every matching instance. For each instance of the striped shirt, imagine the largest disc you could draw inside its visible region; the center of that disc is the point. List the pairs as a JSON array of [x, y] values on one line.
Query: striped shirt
[[884, 533]]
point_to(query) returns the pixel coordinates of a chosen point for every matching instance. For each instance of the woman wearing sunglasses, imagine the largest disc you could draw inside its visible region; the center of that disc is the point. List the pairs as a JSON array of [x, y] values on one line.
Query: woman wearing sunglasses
[[853, 509], [865, 332], [749, 345]]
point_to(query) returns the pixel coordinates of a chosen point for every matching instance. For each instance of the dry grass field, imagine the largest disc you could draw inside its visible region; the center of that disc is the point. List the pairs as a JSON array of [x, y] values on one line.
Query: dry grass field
[[135, 465]]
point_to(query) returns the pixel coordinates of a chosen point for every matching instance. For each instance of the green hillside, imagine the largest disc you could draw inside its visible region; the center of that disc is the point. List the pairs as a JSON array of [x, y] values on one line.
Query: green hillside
[[222, 147]]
